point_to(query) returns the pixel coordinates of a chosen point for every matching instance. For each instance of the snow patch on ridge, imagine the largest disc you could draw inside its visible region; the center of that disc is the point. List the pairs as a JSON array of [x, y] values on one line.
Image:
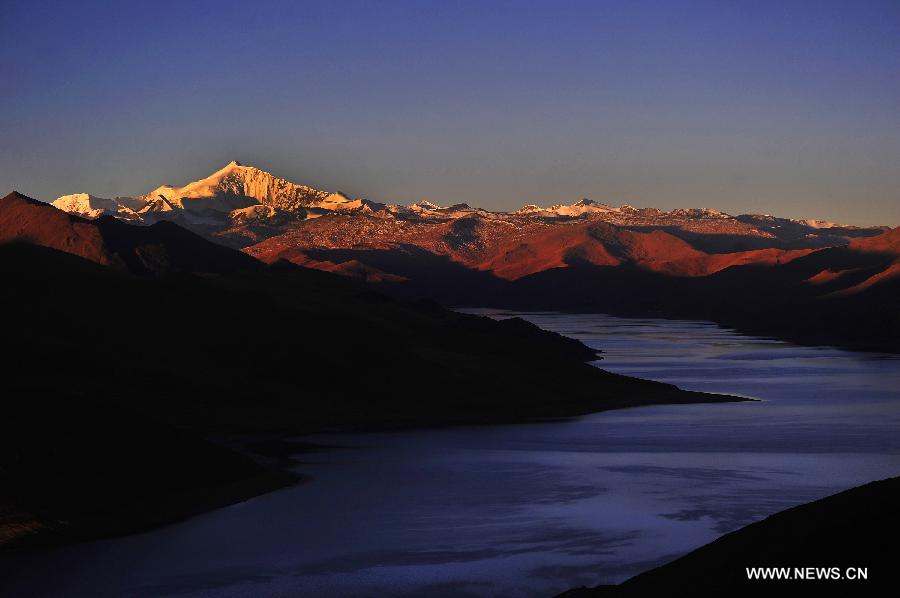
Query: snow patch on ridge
[[91, 206]]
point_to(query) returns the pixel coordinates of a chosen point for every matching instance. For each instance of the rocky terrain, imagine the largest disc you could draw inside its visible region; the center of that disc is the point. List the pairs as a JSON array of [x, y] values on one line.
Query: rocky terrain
[[271, 219]]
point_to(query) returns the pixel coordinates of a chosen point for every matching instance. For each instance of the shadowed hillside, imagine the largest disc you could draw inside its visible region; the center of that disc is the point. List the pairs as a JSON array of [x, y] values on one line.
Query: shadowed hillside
[[161, 248]]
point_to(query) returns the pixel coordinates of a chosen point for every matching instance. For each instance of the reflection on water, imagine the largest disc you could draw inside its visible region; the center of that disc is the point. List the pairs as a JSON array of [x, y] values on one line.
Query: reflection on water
[[533, 509]]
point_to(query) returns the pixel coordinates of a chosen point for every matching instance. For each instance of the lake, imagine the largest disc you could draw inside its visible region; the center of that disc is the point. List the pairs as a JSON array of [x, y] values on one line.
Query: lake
[[531, 509]]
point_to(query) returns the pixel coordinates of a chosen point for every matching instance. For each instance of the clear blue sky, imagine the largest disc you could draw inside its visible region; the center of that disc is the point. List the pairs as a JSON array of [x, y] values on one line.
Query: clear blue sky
[[783, 107]]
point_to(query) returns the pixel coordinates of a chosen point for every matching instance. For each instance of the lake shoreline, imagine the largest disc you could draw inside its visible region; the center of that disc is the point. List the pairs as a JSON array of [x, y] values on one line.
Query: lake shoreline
[[275, 454], [137, 519], [527, 501], [805, 337]]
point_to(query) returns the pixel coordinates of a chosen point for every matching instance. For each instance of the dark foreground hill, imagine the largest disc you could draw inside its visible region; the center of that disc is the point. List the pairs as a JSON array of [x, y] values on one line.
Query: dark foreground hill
[[856, 530], [133, 399]]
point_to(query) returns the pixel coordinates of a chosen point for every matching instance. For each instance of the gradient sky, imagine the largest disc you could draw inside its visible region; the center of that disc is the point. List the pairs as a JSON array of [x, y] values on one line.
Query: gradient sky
[[790, 108]]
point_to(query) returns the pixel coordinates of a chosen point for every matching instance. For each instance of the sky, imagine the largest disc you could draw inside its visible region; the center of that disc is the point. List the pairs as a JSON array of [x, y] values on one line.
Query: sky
[[788, 108]]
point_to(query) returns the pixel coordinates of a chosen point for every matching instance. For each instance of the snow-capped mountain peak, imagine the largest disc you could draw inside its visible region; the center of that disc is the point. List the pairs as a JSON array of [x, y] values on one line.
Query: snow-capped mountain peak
[[236, 186], [232, 195]]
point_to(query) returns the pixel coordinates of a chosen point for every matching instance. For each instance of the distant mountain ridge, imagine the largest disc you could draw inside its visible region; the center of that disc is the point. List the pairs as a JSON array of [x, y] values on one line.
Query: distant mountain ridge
[[240, 205]]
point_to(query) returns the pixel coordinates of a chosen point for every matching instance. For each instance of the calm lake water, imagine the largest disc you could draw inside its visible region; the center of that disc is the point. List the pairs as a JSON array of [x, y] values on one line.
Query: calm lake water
[[531, 510]]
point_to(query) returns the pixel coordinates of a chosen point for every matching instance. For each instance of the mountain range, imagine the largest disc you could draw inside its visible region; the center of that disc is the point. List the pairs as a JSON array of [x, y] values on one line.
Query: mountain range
[[240, 205], [806, 280]]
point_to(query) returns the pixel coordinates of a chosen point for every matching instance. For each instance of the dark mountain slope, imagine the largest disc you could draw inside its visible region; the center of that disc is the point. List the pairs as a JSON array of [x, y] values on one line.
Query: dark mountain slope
[[855, 528], [311, 347], [30, 221], [161, 248]]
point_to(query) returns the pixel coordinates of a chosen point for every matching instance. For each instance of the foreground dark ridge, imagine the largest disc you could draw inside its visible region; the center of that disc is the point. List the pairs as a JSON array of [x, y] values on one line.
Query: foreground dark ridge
[[152, 387], [855, 528]]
